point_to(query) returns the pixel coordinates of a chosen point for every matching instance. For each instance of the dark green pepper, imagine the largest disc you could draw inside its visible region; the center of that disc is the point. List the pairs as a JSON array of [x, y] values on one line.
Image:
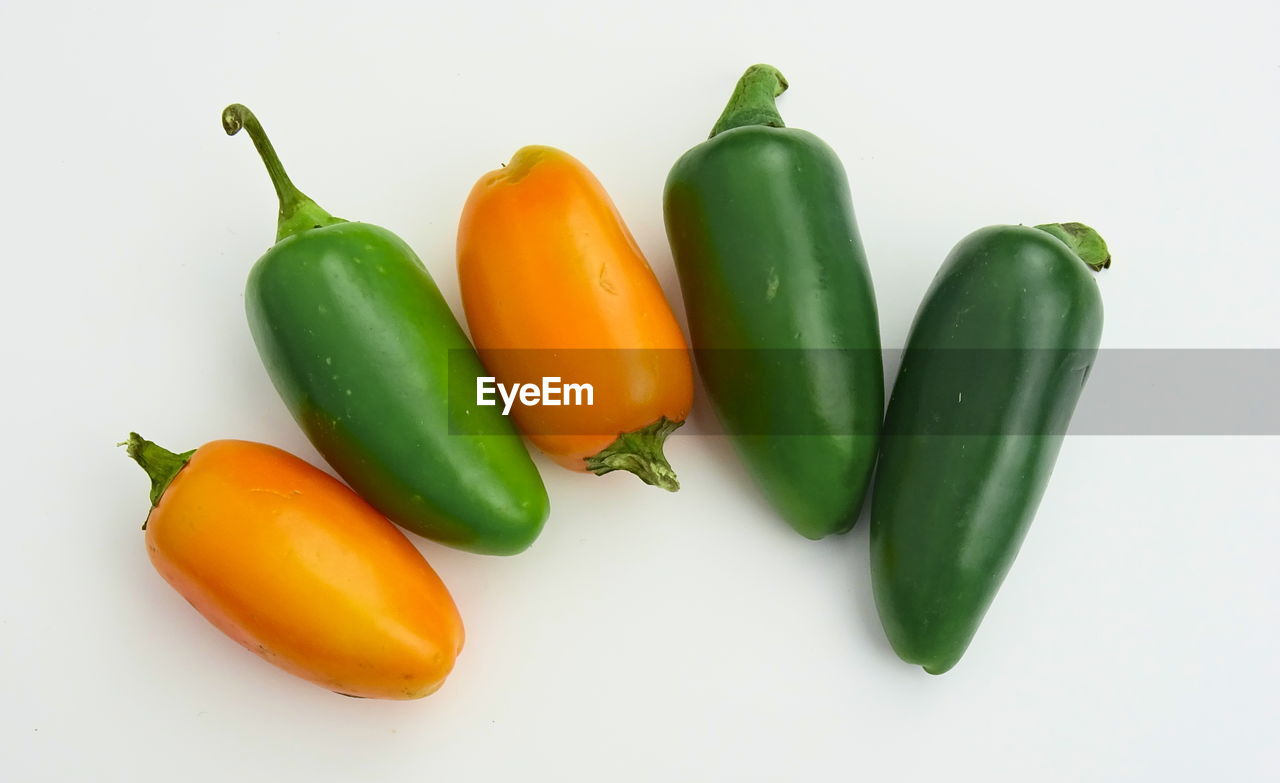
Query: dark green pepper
[[995, 361], [361, 346], [781, 309]]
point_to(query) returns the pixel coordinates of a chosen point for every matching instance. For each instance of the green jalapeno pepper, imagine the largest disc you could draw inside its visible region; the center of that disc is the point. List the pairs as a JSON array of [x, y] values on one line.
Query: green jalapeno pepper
[[781, 309], [368, 357], [995, 361]]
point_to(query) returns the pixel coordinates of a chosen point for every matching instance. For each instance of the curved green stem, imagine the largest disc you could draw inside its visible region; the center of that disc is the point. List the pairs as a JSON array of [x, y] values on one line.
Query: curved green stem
[[752, 100], [640, 452], [1083, 241], [298, 212], [160, 464]]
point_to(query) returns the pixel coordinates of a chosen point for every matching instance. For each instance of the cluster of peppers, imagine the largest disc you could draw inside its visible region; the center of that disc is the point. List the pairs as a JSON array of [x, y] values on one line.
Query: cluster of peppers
[[371, 362]]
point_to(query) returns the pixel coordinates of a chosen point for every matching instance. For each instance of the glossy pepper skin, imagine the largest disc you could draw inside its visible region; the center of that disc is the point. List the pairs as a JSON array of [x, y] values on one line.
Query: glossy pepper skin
[[297, 569], [372, 364], [782, 313], [554, 285], [995, 361]]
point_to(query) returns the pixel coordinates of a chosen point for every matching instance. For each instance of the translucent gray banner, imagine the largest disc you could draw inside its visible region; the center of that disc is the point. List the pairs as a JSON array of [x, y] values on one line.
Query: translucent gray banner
[[957, 391]]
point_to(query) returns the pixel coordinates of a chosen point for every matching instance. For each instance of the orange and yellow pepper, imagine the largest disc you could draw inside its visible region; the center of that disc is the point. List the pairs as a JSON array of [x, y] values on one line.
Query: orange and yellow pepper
[[555, 286], [293, 565]]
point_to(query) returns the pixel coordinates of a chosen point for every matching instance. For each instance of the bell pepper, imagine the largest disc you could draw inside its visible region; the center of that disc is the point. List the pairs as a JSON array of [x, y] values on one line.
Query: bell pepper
[[363, 349], [781, 310], [997, 356], [297, 569], [554, 286]]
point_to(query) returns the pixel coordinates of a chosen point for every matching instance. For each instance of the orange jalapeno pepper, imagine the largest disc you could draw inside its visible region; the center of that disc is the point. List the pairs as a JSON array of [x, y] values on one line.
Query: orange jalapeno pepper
[[293, 565], [554, 286]]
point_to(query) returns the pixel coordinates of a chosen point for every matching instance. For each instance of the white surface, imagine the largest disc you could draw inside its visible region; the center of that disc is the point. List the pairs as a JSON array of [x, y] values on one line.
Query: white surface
[[645, 637]]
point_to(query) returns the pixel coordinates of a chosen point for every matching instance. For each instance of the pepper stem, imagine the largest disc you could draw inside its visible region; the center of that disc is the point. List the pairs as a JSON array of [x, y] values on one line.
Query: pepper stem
[[298, 212], [160, 464], [1083, 241], [752, 100], [640, 452]]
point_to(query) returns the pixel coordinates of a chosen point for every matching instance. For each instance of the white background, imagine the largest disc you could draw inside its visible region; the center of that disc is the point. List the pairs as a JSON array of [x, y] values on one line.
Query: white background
[[645, 637]]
